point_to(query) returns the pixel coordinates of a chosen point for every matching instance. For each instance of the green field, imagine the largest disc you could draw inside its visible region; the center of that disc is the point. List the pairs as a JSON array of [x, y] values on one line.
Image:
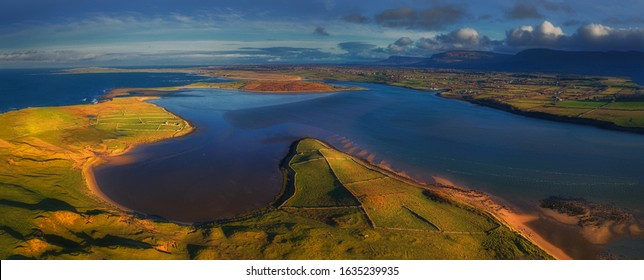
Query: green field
[[315, 183], [580, 104], [340, 209], [624, 118], [48, 210], [626, 105]]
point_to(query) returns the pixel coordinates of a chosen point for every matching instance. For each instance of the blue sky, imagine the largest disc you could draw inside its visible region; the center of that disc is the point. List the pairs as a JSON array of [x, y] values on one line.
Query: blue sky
[[147, 32]]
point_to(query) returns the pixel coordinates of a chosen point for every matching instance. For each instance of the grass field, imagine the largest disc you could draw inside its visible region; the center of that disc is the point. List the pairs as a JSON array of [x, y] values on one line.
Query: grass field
[[580, 104], [340, 209], [626, 118], [315, 183], [626, 105]]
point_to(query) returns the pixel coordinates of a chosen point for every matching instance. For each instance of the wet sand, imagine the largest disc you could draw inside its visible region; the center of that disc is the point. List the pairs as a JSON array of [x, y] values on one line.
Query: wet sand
[[515, 220], [116, 158], [494, 206], [90, 180], [520, 222]]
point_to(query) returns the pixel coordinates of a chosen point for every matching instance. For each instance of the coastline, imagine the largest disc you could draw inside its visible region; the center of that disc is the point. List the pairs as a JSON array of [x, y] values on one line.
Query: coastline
[[90, 180], [87, 169], [126, 92], [545, 116], [486, 203], [519, 222]]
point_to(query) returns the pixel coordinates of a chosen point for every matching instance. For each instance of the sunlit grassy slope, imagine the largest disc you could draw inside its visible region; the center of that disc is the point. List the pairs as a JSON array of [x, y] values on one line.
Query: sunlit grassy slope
[[47, 209], [340, 207]]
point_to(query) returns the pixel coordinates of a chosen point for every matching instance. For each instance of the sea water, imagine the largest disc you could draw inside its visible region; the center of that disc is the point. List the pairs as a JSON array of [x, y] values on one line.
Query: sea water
[[229, 165]]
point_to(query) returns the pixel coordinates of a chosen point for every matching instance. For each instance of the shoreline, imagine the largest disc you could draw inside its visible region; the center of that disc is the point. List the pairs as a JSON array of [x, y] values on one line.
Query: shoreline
[[486, 203], [90, 180], [126, 92], [549, 117], [87, 169], [480, 201], [501, 211]]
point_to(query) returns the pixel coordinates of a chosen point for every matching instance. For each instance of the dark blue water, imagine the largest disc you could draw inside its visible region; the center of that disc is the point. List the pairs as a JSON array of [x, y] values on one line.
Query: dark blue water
[[218, 171], [43, 87], [230, 164], [518, 158]]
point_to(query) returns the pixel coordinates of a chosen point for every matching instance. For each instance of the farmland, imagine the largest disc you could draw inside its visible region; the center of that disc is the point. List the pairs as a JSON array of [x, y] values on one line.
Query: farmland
[[608, 102]]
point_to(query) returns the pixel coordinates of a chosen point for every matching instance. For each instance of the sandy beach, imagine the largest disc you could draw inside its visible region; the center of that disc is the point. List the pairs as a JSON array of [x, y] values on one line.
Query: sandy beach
[[512, 218], [117, 157], [489, 204], [90, 180]]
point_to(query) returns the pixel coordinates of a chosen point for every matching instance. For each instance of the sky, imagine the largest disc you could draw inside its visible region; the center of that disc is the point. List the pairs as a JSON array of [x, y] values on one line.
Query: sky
[[71, 33]]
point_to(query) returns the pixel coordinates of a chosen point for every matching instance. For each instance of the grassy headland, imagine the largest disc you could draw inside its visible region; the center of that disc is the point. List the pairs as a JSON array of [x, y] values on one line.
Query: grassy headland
[[333, 206], [50, 207]]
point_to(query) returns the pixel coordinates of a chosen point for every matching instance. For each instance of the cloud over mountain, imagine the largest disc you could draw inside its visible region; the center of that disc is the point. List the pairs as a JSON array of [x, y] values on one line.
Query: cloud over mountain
[[534, 36], [587, 37], [459, 39], [597, 36]]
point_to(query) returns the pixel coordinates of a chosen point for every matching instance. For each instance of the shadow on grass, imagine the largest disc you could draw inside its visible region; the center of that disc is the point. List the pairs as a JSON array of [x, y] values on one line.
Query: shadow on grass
[[112, 241], [47, 204], [13, 233], [194, 250]]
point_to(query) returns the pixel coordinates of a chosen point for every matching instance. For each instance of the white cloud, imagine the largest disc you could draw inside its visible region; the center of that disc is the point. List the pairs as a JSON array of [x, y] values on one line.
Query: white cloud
[[528, 36], [44, 56], [597, 36], [460, 39], [588, 37]]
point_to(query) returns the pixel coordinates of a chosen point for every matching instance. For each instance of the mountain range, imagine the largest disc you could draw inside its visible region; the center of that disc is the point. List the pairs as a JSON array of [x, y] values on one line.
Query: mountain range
[[611, 63]]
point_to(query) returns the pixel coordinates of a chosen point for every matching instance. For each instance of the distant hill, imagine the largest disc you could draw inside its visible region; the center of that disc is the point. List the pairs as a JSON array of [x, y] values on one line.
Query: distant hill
[[473, 59], [612, 63], [401, 60]]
